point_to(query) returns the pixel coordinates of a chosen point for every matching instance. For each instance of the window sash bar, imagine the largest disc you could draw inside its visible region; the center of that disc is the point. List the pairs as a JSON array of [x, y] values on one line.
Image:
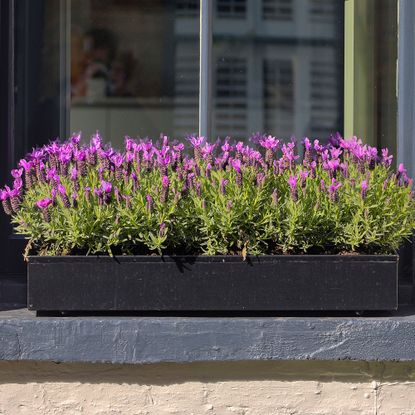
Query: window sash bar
[[64, 66], [205, 68], [406, 85]]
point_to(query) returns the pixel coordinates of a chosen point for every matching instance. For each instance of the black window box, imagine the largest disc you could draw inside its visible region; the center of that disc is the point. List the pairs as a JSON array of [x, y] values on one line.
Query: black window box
[[213, 283]]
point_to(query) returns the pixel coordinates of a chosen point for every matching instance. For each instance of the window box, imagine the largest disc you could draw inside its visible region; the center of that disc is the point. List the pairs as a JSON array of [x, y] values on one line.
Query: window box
[[213, 283]]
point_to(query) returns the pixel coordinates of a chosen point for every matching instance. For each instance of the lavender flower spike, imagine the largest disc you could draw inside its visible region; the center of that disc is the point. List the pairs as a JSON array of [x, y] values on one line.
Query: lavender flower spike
[[43, 205], [333, 188], [64, 196], [149, 204], [106, 186], [165, 189], [223, 184], [236, 164], [5, 201], [292, 182], [364, 187]]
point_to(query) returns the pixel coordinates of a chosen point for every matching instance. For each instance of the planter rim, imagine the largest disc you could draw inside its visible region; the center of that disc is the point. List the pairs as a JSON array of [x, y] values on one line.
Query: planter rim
[[211, 258]]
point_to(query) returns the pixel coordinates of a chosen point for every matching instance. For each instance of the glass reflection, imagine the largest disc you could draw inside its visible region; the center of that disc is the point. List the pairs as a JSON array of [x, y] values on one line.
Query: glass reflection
[[278, 67], [134, 67]]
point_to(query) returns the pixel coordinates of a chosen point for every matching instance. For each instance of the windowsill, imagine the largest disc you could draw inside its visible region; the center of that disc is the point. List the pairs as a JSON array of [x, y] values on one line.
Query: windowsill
[[23, 336]]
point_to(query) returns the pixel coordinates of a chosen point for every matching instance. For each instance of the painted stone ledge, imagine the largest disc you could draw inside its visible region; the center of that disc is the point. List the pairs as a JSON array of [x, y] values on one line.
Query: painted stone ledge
[[190, 339]]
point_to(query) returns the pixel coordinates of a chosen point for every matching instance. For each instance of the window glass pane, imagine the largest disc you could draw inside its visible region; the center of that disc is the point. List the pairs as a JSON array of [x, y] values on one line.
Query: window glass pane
[[278, 67], [134, 67], [37, 81]]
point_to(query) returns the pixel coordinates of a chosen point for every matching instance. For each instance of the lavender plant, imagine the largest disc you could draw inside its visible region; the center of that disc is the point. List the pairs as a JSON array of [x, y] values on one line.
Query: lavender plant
[[226, 198]]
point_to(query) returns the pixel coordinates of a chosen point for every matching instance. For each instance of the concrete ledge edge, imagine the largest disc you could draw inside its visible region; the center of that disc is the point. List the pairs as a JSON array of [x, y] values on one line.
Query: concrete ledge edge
[[195, 339]]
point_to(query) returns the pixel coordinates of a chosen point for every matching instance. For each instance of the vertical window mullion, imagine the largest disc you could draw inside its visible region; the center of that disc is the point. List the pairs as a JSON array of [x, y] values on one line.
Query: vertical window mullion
[[205, 68], [406, 84], [64, 67]]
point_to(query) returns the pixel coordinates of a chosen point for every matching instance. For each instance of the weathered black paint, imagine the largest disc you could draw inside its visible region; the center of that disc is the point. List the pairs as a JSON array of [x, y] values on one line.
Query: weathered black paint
[[220, 283]]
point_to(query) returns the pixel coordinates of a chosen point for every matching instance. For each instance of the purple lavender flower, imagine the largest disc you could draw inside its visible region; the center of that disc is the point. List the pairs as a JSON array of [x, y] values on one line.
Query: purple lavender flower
[[292, 182], [56, 181], [50, 173], [303, 177], [163, 160], [208, 170], [274, 197], [372, 156], [269, 142], [333, 188], [198, 188], [14, 195], [260, 179], [307, 158], [335, 140], [75, 139], [313, 166], [229, 205], [127, 199], [335, 152], [239, 147], [74, 197], [117, 194], [256, 137], [64, 158], [318, 147], [129, 143], [149, 204], [40, 171], [178, 148], [99, 193], [17, 173], [386, 158], [344, 167], [63, 196], [74, 174], [364, 186], [226, 147], [196, 142], [288, 156], [332, 166], [165, 181], [223, 184], [401, 175], [87, 192], [27, 166], [5, 201], [18, 183], [207, 152], [162, 229], [96, 141], [401, 169], [236, 164], [91, 156], [106, 186], [43, 205]]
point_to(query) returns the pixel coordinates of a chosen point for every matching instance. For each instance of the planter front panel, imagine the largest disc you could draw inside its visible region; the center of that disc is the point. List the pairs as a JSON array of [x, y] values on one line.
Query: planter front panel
[[268, 283]]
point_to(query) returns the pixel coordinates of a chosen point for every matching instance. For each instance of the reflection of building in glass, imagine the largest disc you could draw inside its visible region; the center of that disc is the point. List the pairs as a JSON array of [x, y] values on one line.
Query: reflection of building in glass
[[277, 67]]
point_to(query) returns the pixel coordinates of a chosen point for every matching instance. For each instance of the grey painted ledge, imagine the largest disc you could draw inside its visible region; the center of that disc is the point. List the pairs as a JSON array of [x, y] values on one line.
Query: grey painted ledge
[[23, 336]]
